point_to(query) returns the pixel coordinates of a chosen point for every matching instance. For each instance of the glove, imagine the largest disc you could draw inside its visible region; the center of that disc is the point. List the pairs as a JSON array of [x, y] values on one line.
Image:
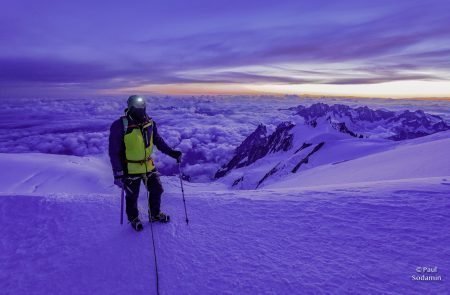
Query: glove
[[118, 179], [119, 182], [176, 155]]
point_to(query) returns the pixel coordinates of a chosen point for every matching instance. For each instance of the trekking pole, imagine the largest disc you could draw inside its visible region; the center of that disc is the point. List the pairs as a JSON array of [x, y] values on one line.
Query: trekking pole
[[122, 196], [153, 237], [182, 192]]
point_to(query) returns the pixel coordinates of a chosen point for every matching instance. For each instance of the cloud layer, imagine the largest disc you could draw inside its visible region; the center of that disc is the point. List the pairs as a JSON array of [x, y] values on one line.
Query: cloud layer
[[206, 129]]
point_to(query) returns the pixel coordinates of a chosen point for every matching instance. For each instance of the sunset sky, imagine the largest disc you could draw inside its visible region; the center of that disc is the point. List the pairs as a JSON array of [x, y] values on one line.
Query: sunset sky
[[380, 48]]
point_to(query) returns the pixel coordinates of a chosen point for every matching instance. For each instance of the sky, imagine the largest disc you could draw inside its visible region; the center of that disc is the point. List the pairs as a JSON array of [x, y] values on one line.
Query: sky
[[351, 48]]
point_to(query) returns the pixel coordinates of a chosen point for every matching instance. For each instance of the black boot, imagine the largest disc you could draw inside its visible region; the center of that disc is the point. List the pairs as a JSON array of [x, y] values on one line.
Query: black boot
[[136, 224], [161, 217]]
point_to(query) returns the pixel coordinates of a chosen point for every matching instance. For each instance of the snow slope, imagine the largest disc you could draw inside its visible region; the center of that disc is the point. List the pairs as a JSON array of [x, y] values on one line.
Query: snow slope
[[47, 173], [417, 158], [61, 235], [323, 155]]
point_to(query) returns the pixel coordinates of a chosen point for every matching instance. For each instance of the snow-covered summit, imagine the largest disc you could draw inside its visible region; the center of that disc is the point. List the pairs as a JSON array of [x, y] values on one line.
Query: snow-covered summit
[[322, 135], [365, 121]]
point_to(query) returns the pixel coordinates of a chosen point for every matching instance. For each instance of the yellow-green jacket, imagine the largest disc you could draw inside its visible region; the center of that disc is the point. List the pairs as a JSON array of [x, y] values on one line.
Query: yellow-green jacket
[[131, 145]]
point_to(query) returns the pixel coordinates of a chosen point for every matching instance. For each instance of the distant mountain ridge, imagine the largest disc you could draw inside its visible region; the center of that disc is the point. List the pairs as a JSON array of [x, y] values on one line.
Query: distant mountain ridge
[[402, 125], [300, 141]]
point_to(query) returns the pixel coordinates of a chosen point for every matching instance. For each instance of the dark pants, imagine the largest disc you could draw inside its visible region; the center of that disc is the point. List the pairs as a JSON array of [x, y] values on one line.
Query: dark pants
[[133, 183]]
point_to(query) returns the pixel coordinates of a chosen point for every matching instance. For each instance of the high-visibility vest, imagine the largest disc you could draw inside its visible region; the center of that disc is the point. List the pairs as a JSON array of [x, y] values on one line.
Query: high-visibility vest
[[138, 141]]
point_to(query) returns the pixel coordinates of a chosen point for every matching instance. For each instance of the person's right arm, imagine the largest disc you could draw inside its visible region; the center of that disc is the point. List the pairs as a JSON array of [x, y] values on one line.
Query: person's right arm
[[116, 148]]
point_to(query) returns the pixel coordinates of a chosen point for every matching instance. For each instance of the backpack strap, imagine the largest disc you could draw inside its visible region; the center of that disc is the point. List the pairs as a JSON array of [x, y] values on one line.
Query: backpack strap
[[125, 124]]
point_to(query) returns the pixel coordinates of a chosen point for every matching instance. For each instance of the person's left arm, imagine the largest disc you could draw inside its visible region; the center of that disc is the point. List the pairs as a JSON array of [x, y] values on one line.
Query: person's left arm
[[161, 145]]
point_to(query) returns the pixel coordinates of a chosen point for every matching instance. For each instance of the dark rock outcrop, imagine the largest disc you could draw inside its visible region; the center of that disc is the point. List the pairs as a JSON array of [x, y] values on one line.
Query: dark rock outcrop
[[268, 174], [258, 145], [304, 146], [306, 159], [237, 181], [281, 139], [251, 149]]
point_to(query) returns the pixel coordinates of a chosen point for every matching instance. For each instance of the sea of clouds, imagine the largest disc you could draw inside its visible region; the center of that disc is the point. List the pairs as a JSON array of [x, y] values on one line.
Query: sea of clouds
[[206, 129]]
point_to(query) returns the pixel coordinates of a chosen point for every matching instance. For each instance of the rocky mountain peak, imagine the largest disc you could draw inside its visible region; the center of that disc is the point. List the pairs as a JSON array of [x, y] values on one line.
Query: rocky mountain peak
[[257, 145], [363, 120], [358, 122]]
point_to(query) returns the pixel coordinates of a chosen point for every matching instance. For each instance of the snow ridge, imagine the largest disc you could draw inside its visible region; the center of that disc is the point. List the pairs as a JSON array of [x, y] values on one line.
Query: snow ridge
[[396, 125], [298, 145]]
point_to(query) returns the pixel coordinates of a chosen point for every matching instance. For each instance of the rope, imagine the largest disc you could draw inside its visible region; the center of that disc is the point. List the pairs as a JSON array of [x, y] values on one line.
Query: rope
[[153, 237]]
